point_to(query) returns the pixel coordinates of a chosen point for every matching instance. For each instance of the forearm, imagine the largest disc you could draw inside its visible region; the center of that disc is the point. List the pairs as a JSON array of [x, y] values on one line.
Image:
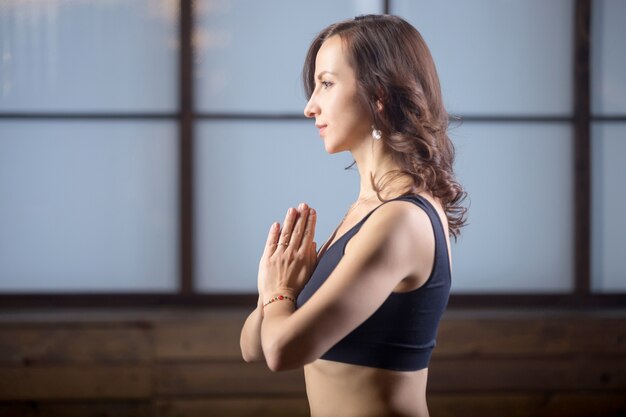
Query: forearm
[[250, 340], [277, 338]]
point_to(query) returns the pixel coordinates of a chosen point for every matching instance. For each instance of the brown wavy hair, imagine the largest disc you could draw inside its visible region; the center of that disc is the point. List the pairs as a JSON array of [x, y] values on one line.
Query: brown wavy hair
[[394, 67]]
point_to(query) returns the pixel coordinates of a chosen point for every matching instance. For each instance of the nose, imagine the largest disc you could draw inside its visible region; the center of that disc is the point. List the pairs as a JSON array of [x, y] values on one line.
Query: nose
[[311, 109]]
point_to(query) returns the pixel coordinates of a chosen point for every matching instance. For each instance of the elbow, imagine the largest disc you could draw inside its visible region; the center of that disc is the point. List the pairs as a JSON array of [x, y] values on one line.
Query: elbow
[[274, 356], [250, 357], [276, 362], [284, 357], [247, 357], [248, 353]]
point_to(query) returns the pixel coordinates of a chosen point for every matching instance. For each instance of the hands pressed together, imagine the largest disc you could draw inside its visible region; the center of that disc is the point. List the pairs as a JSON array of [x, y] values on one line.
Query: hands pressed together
[[289, 256]]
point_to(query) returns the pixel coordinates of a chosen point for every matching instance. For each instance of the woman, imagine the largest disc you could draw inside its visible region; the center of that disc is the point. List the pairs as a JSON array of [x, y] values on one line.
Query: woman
[[362, 314]]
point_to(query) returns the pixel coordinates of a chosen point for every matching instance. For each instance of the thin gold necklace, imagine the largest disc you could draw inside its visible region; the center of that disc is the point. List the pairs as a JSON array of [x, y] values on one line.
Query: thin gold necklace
[[351, 209], [332, 240]]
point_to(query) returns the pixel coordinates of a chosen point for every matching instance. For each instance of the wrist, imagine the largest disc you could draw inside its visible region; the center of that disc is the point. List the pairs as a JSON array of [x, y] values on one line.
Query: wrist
[[280, 297], [286, 300], [272, 295]]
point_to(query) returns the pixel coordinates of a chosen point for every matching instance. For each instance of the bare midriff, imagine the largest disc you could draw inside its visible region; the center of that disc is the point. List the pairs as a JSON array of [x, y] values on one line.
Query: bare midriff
[[340, 389]]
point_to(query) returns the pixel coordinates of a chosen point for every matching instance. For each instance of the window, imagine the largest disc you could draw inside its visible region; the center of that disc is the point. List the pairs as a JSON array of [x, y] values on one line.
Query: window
[[144, 165]]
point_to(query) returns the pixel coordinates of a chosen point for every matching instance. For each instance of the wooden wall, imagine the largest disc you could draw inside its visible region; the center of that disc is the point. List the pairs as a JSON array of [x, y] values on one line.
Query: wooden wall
[[187, 363]]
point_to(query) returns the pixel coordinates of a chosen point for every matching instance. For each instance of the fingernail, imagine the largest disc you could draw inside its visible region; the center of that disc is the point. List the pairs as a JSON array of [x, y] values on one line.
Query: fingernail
[[312, 212], [301, 206]]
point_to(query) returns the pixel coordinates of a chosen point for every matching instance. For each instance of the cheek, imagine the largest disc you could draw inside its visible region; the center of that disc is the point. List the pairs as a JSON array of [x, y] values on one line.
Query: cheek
[[359, 119]]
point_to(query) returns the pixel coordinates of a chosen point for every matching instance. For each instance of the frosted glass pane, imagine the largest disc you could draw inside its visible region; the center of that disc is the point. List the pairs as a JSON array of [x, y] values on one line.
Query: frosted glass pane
[[520, 181], [499, 57], [609, 205], [250, 53], [247, 175], [88, 206], [89, 55], [608, 57]]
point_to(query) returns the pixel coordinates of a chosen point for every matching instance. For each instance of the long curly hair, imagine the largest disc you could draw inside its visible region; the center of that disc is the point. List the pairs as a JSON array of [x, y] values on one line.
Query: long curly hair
[[394, 67]]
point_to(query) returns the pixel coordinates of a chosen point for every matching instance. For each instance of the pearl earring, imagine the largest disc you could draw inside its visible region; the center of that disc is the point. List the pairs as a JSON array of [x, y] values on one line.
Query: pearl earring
[[376, 133]]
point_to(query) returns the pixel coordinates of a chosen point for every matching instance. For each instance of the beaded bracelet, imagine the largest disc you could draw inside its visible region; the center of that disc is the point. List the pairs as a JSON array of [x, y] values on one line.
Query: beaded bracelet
[[280, 298]]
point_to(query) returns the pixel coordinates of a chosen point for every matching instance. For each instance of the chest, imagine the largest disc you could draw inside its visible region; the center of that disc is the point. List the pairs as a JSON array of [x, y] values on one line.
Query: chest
[[346, 226]]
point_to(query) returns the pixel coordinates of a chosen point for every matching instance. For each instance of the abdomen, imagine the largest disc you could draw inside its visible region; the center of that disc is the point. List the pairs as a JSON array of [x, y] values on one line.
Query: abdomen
[[339, 389]]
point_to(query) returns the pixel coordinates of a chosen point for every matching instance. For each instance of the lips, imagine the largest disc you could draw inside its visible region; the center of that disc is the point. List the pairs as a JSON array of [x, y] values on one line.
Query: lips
[[321, 127]]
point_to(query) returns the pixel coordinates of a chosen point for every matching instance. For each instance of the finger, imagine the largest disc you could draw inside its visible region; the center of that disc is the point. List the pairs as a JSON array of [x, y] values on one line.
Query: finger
[[309, 230], [313, 253], [285, 234], [272, 239], [299, 227]]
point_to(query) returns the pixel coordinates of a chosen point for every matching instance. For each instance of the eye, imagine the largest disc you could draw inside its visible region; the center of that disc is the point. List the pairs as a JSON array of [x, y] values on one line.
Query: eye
[[326, 84]]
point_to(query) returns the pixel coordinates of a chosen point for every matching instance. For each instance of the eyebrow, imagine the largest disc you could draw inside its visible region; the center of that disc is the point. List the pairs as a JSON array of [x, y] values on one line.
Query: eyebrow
[[319, 76]]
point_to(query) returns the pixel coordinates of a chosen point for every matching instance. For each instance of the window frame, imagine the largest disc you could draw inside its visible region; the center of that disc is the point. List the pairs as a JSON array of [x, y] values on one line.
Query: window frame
[[581, 297]]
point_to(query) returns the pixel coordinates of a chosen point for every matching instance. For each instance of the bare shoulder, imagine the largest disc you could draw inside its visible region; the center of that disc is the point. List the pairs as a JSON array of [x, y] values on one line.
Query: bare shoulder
[[403, 233], [399, 216], [398, 224]]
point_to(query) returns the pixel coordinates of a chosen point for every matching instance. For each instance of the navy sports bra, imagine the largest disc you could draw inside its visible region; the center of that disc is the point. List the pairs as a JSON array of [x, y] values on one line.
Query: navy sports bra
[[400, 335]]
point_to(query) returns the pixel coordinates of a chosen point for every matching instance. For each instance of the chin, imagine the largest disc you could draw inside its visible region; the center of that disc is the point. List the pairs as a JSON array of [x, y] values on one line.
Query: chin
[[333, 148], [332, 151]]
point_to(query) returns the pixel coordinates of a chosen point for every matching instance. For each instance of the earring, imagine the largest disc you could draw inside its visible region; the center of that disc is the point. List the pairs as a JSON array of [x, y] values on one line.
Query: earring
[[376, 133]]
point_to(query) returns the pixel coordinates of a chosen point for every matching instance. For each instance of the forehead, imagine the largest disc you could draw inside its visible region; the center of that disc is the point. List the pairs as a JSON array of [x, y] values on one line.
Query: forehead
[[331, 56]]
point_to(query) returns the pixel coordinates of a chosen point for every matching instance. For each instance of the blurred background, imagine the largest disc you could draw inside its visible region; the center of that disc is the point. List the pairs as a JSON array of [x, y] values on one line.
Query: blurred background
[[147, 145]]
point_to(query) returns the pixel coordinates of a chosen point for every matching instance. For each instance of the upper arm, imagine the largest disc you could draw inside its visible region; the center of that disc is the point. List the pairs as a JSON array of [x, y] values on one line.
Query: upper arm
[[380, 255]]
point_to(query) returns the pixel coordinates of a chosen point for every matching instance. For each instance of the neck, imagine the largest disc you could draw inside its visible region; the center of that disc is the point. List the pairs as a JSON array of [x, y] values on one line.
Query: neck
[[371, 159]]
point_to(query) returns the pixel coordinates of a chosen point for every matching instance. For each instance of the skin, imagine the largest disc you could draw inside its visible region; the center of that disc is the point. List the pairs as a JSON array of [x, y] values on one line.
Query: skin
[[392, 252]]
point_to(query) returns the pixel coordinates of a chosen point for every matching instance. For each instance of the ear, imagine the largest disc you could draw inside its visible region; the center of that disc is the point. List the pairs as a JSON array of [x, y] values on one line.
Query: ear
[[380, 100]]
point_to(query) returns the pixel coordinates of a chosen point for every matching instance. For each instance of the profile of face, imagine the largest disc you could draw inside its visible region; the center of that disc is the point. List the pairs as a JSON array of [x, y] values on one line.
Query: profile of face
[[343, 121]]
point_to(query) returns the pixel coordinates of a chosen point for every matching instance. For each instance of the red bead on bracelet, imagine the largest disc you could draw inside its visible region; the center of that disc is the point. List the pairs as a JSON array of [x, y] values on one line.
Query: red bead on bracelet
[[280, 298]]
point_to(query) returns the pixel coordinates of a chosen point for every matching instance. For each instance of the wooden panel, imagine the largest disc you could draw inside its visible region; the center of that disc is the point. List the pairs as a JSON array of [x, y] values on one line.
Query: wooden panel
[[62, 382], [235, 407], [527, 374], [484, 404], [226, 378], [66, 344], [528, 405], [212, 337], [217, 336], [186, 362], [69, 409], [585, 404], [476, 337]]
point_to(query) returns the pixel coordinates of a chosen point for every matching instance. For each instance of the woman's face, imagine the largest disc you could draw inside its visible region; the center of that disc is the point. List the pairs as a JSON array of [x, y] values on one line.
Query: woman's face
[[343, 122]]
